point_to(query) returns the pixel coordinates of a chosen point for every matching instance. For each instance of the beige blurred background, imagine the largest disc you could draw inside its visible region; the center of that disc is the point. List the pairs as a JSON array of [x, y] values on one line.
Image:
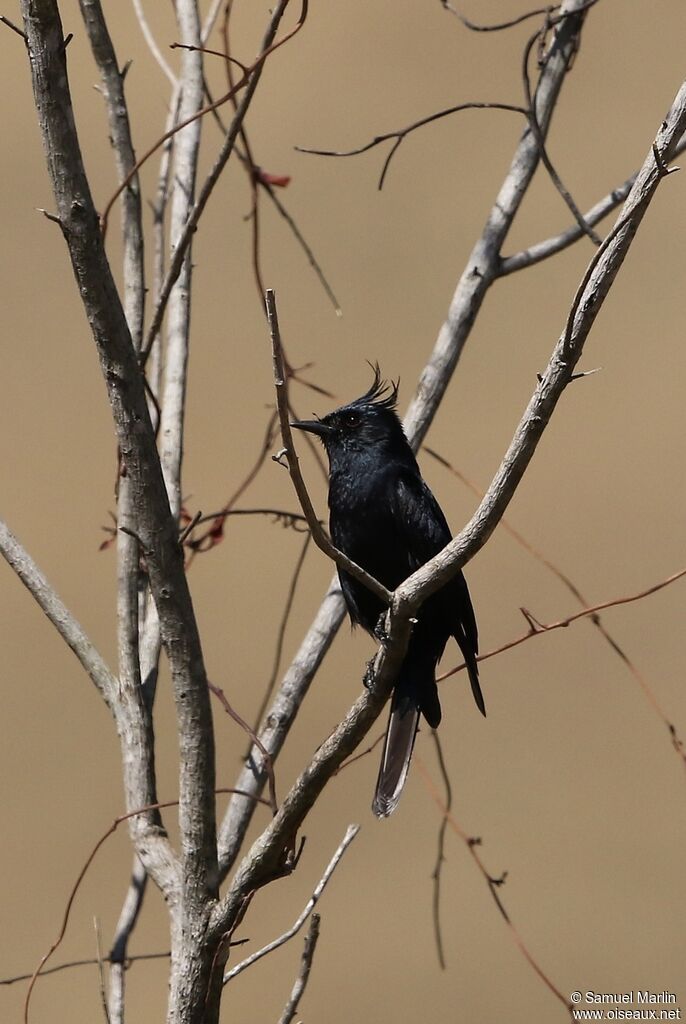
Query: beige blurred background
[[571, 782]]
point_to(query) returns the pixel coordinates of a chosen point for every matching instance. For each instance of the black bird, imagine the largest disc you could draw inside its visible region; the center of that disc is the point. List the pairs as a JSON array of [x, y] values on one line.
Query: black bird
[[384, 517]]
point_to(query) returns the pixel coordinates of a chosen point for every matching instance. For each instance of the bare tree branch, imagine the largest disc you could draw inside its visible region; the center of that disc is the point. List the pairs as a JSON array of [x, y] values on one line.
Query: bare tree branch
[[543, 250], [587, 302], [152, 44], [60, 616], [311, 939], [133, 711], [494, 883], [118, 958], [269, 855], [218, 166], [278, 651], [278, 722], [483, 263], [350, 834], [537, 628], [122, 144], [589, 611], [155, 525], [183, 178]]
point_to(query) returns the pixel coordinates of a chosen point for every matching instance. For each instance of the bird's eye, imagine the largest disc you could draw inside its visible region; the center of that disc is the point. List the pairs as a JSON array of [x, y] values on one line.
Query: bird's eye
[[352, 419]]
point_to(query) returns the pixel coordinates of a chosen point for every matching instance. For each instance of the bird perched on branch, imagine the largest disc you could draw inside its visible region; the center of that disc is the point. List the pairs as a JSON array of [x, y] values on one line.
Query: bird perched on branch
[[384, 517]]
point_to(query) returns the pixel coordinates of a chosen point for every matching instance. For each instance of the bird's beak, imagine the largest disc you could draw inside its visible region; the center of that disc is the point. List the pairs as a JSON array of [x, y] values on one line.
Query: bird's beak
[[313, 427]]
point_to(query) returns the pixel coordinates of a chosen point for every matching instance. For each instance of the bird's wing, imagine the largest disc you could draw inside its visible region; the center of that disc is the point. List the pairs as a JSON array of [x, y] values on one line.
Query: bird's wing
[[425, 532], [420, 522]]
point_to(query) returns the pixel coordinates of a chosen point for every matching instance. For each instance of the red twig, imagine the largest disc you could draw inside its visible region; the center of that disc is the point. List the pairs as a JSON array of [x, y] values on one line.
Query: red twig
[[282, 632], [89, 860], [571, 586], [493, 883], [538, 629], [268, 763], [200, 113], [215, 533]]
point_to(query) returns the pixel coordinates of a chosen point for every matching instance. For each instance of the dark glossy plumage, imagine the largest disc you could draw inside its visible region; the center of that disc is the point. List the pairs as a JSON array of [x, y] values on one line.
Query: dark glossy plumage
[[385, 518]]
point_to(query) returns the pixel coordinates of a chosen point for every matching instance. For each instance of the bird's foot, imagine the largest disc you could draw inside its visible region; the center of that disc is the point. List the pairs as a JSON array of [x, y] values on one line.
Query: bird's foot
[[369, 676], [380, 633]]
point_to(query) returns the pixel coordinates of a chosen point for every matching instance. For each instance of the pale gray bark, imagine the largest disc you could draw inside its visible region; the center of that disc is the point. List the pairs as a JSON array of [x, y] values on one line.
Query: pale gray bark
[[291, 932], [57, 612], [540, 251], [156, 527], [183, 175], [482, 265]]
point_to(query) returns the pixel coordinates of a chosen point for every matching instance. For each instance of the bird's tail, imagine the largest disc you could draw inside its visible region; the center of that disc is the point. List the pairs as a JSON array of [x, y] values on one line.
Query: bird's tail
[[469, 652], [415, 693]]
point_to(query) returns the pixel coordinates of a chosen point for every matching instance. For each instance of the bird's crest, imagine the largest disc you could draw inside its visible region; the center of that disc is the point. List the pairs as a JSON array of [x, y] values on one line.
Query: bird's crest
[[382, 394]]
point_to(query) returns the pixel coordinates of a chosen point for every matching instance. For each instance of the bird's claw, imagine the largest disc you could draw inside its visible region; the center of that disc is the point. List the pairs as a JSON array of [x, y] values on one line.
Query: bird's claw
[[369, 674], [380, 633]]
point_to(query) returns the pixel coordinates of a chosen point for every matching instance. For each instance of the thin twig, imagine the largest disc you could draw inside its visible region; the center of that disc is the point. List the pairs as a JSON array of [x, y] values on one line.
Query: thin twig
[[190, 526], [304, 245], [281, 634], [251, 82], [362, 753], [160, 805], [500, 26], [212, 535], [494, 883], [264, 183], [440, 854], [401, 133], [545, 159], [319, 536], [101, 971], [574, 590], [540, 629], [57, 612], [152, 44], [350, 834], [11, 25], [212, 53], [88, 962], [311, 940], [221, 697], [550, 246], [279, 515]]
